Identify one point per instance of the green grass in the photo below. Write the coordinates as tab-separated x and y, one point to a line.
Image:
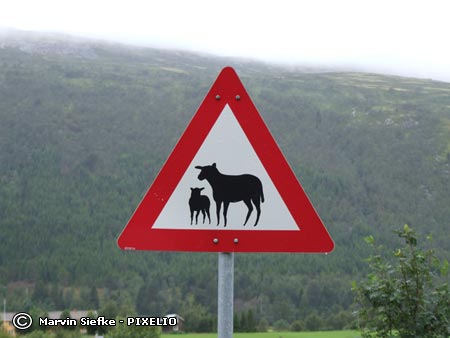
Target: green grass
319	334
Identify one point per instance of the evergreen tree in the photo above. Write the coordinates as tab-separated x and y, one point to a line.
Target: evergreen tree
250	322
93	298
40	293
236	323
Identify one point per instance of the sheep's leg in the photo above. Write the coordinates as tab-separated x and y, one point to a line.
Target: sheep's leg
258	209
196	216
225	210
204	215
249	205
209	218
218	204
192	215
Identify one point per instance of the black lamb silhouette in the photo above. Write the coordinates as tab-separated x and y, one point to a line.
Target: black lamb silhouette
199	203
233	188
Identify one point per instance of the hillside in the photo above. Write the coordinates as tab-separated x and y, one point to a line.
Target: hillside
86	126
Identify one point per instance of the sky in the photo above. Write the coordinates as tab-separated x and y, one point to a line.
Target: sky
409	38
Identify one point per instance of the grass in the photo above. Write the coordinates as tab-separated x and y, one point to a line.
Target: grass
318	334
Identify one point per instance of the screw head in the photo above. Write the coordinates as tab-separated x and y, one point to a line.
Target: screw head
217	97
238	97
236	240
215	240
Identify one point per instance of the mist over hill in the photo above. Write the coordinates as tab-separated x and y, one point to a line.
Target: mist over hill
85	127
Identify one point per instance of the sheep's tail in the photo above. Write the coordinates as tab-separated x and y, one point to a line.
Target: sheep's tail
262	194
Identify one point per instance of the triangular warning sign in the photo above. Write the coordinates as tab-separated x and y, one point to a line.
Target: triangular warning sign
226	187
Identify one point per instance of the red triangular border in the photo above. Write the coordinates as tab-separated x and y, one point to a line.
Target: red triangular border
312	235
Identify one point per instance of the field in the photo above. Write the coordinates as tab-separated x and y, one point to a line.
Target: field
319	334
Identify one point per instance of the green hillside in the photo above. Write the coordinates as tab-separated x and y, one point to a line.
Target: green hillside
85	127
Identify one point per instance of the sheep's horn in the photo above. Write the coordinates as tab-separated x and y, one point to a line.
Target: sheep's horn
198	167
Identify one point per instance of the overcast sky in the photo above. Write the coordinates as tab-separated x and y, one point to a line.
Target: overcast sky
392	36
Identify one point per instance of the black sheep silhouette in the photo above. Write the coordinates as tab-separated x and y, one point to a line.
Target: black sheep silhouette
233	188
198	203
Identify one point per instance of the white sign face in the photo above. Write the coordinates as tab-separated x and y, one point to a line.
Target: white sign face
229	148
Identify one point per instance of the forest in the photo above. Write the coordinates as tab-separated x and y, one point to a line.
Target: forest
86	126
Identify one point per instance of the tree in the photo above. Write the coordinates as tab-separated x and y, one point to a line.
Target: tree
263	325
64	334
236	323
35	313
281	325
66	315
246	322
40	293
133	331
91	329
297	326
313	322
93	298
109	310
198	318
251	322
406	298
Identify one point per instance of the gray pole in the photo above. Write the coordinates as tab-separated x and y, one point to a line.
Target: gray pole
225	295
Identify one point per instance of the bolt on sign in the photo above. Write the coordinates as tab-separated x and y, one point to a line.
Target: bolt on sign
226	187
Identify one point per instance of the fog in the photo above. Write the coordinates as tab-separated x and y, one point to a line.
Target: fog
396	37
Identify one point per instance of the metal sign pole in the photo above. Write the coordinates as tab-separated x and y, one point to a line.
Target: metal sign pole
225	296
